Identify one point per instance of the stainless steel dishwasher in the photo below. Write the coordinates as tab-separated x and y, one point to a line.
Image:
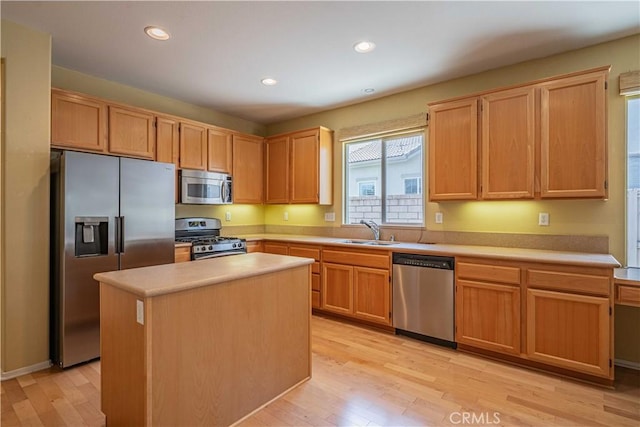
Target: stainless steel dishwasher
423	297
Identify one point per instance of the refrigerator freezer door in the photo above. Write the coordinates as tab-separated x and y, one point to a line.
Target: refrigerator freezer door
88	187
147	209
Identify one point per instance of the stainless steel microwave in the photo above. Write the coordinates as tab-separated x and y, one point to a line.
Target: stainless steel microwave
205	188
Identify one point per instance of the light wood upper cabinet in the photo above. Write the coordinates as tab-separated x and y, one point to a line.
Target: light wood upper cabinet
299	167
167	140
573	137
220	150
168	145
508	144
247	169
131	132
544	139
453	150
78	122
193	146
277	170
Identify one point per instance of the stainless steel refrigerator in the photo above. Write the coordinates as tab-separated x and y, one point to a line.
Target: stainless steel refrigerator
107	213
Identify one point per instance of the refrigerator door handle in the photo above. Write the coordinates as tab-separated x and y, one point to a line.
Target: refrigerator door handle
119	221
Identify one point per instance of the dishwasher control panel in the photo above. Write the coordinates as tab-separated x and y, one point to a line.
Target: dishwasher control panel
428	261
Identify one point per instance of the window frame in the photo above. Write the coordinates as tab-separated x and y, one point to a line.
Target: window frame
383	137
631	242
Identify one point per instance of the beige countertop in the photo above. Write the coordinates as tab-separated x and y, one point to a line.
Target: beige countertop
167	278
183	244
517	254
627	276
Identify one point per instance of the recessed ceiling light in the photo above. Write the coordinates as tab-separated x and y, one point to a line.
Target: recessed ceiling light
369	90
157	33
364	47
268	81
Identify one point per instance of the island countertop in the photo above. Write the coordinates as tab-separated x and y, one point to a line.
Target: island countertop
167	278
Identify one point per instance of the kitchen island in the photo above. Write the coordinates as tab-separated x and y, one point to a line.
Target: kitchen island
203	343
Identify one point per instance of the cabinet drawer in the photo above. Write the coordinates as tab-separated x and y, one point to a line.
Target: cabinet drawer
628	295
571	282
315	282
305	252
182	254
315	299
491	273
356	258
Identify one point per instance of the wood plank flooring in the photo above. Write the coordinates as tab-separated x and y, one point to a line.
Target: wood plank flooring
363	377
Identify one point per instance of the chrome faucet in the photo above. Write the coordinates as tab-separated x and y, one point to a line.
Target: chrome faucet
375	228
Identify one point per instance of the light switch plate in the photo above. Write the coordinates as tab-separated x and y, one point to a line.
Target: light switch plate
227	216
439	218
140	312
286	216
330	216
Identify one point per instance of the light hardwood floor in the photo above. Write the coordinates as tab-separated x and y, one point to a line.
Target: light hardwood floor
364	377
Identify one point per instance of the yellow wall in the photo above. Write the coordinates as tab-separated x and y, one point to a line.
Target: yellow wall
240	214
25	203
64	78
585	217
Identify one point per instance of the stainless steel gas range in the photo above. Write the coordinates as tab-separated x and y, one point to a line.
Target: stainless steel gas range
205	239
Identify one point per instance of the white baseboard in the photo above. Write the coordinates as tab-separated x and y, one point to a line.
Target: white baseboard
627	364
24	371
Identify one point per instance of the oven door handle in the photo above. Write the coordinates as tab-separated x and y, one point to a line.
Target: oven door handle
219	254
226	192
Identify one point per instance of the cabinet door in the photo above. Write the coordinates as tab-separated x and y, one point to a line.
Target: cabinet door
568	330
168	145
182	254
372	294
488	316
167	140
131	132
573	160
255	247
247	169
220	151
337	288
453	150
193	146
305	148
508	144
277	170
78	122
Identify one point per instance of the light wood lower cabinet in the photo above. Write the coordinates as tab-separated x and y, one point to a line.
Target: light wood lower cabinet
488	316
357	284
569	330
543	314
182	254
305	251
255	246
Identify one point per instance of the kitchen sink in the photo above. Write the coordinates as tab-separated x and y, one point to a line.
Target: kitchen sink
369	242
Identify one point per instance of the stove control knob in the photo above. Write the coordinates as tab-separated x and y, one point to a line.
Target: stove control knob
210	247
234	245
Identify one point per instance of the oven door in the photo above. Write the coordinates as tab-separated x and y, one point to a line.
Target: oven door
201	190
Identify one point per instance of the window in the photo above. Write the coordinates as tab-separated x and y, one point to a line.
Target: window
633	181
383	179
413	185
367	188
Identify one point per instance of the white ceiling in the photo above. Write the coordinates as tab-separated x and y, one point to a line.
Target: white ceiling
219	51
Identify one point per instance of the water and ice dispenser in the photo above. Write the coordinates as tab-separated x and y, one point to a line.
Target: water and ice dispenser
91	236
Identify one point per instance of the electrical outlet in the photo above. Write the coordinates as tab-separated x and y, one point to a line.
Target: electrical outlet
140	312
330	216
227	216
286	216
543	219
439	218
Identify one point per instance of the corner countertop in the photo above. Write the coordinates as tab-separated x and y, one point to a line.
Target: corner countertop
167	278
182	244
627	276
516	254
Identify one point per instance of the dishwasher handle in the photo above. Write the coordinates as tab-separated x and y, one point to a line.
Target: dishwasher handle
425	261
